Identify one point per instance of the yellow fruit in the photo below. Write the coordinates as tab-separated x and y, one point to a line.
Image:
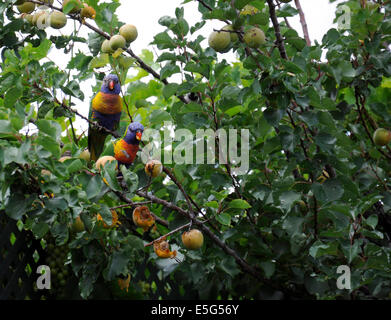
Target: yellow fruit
26	7
102	161
78	225
57	20
117	42
85	155
219	41
20	2
153	168
62	159
129	32
114	220
77	5
87	12
254	37
193	239
106	48
381	137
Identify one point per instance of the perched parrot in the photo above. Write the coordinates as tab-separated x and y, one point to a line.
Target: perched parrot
106	108
125	149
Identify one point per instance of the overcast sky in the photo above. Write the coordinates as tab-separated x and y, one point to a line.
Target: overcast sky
145	15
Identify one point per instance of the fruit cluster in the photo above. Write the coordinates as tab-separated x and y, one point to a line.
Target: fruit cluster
127	34
54	19
221	40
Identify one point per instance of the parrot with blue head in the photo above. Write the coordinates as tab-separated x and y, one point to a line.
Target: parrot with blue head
106	109
125	149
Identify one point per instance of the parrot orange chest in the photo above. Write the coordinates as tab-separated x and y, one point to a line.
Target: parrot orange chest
125	152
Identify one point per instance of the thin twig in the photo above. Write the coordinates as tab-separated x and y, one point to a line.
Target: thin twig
303	22
276	26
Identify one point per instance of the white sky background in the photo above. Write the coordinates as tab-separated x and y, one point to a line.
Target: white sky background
145	15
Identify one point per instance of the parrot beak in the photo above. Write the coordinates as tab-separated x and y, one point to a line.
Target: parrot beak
111	85
138	135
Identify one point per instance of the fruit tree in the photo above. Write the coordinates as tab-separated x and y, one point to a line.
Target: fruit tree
312	122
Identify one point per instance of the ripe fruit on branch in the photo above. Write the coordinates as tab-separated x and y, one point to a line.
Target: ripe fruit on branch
129	32
193	239
143	218
382	137
254	37
153	168
117	42
87	12
114	220
77	5
162	249
85	155
234	37
106	48
219	40
103	160
26	7
57	20
78	225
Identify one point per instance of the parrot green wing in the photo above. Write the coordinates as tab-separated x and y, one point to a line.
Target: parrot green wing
96	139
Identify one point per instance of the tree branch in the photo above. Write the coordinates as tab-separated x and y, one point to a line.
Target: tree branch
303	22
276	25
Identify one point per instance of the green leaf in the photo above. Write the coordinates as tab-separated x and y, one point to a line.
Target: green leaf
94	187
130	178
117	265
287	199
224	218
169	90
268	268
212	204
229	266
239	204
12	96
159	116
17	205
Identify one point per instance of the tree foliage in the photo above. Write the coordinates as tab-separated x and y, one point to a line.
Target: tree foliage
316	195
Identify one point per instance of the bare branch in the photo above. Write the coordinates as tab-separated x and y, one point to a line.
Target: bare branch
303	22
276	25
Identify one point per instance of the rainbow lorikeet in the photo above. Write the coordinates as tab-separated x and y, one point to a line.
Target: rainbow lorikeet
106	108
125	149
